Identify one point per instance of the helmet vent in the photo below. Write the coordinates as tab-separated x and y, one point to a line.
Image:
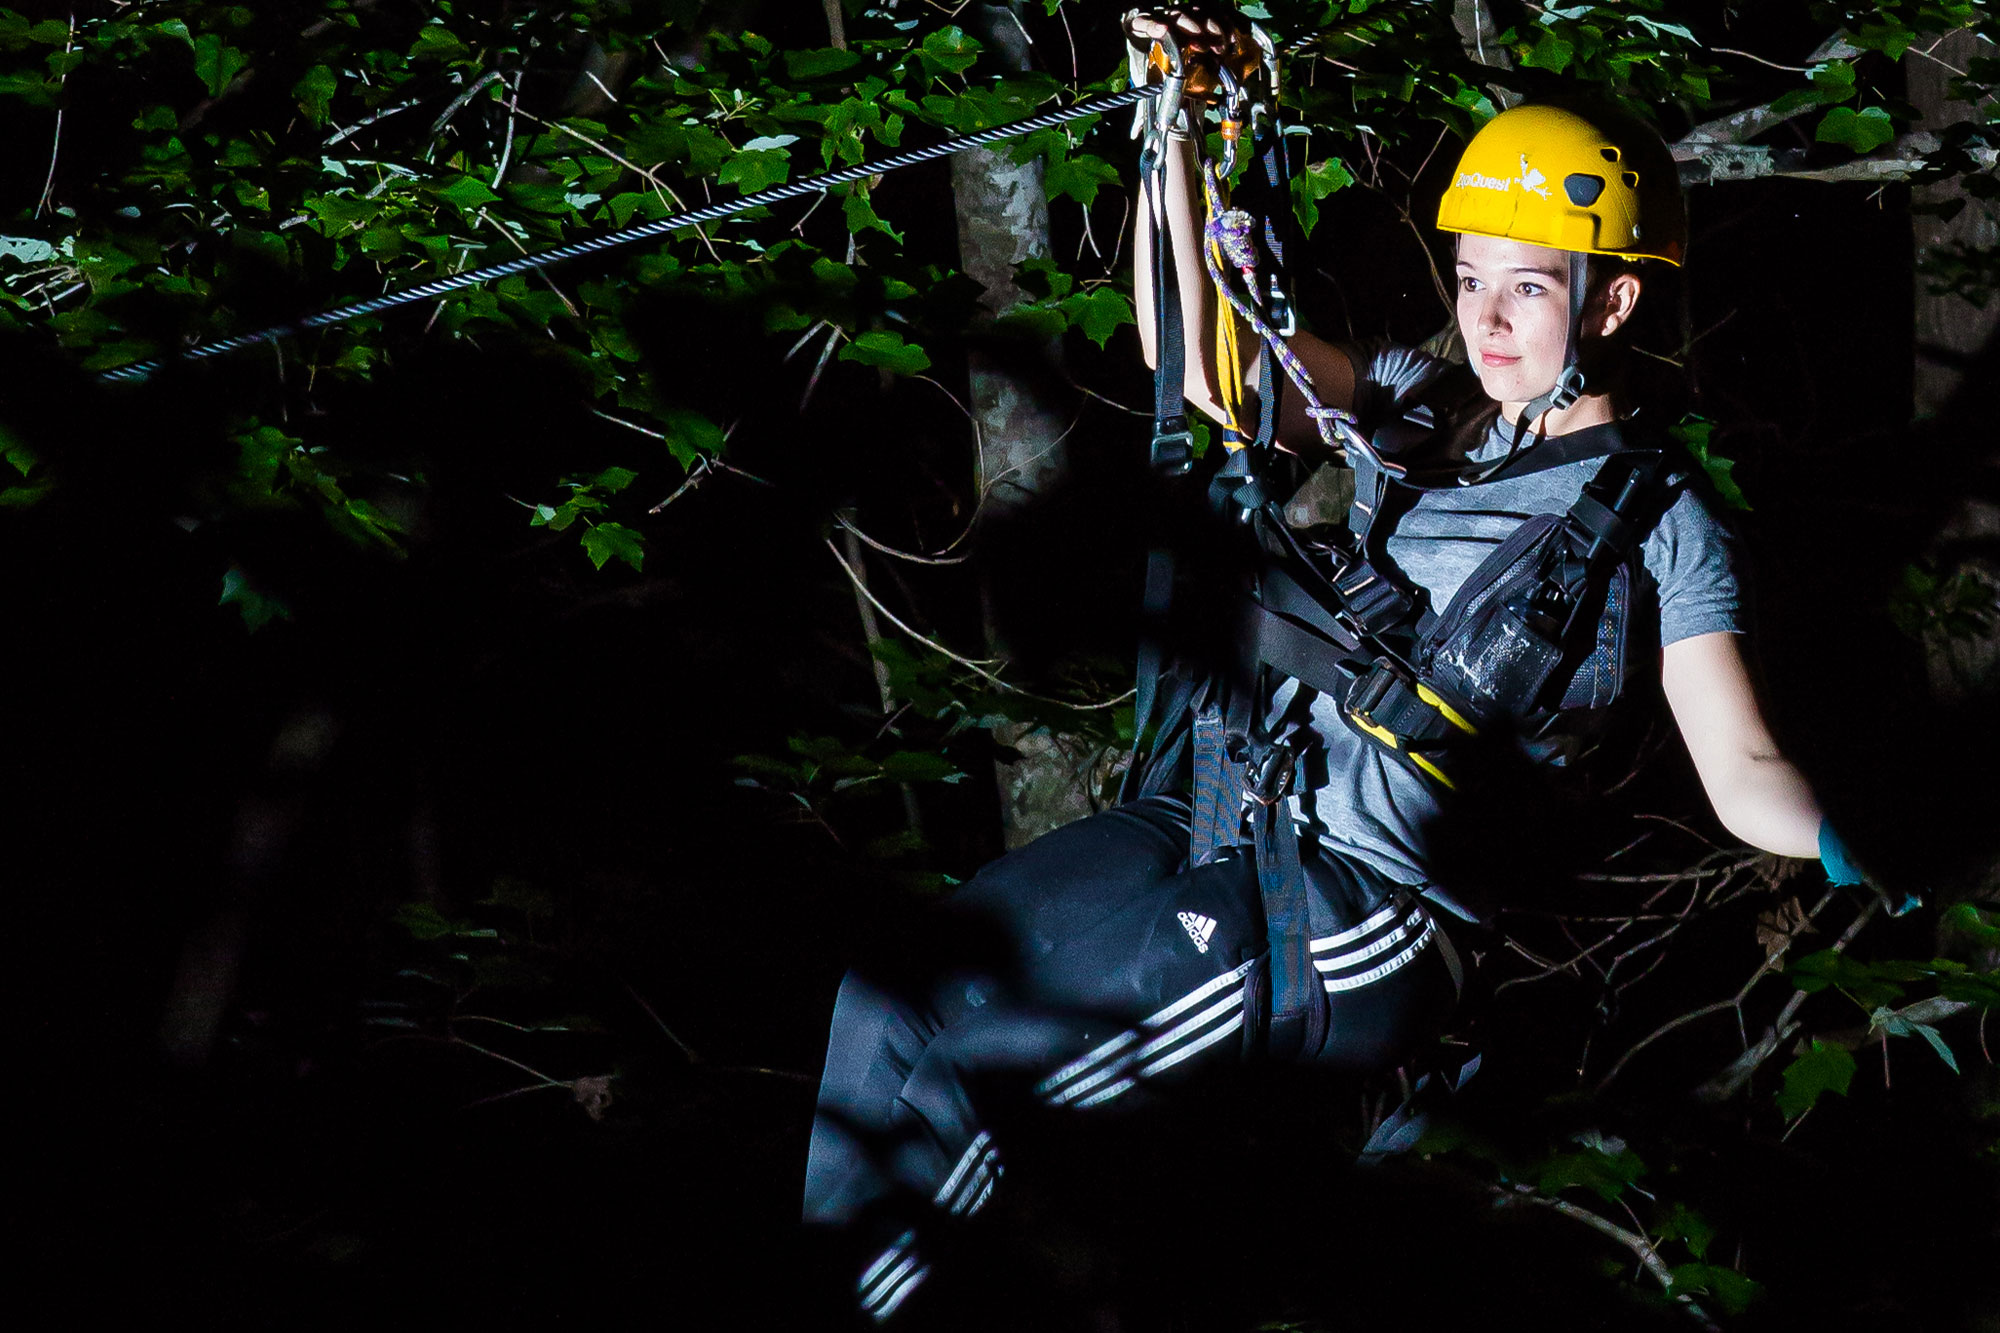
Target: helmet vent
1583	190
1631	179
1608	154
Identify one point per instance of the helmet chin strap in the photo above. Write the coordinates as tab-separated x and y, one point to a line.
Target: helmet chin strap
1561	395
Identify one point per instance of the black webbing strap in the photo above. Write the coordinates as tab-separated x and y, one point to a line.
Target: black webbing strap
1173	444
1218	787
1298	1001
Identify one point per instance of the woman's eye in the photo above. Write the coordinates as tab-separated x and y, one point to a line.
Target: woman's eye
1468	284
1532	289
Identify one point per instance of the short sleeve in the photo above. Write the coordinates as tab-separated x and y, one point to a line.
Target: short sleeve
1694	561
1386	375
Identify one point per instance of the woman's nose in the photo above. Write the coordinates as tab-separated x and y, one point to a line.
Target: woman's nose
1492	313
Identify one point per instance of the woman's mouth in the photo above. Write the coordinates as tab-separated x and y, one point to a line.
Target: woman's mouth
1496	359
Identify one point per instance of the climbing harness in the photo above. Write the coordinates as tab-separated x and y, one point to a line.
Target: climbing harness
1091	106
1530	650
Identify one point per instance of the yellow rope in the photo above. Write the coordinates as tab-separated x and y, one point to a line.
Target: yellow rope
1228	353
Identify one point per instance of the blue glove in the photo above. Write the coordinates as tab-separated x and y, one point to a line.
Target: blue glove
1838	863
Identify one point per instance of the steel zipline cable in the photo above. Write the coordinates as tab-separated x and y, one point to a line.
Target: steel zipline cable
1092	106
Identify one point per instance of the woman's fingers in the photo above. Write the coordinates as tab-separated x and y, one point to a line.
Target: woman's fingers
1192	30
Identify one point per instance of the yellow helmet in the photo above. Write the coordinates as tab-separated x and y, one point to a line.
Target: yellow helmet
1601	184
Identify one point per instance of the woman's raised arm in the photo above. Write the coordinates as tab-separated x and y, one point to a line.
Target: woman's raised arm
1757	793
1331	373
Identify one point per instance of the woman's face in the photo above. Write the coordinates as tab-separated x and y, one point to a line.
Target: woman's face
1513	312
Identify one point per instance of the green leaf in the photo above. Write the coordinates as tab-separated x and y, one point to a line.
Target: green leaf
256	608
1079	177
756	169
1897	1025
1037	322
1313	184
1969	919
216	63
1833	81
1099	312
948	51
1693	432
1042	277
1731	1289
1863	131
425	922
859	211
919	766
603	541
18	454
466	193
1606	1167
818	64
1820	1070
1868	984
1980	988
1685	1224
690	435
437	42
878	347
1549	52
315	93
614	479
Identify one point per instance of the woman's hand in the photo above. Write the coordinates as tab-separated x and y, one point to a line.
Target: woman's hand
1204	33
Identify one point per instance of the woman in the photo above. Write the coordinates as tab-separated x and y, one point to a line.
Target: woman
1111	953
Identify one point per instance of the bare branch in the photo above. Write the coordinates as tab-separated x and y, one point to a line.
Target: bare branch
1741	126
1640	1246
1731	1080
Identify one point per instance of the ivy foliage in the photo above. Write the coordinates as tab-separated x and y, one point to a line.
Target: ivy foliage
219	168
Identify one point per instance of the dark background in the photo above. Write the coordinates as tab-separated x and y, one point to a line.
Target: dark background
491	711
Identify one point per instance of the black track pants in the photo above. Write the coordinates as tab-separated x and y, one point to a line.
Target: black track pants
1080	967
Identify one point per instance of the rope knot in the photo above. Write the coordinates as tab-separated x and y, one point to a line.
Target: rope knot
1234	232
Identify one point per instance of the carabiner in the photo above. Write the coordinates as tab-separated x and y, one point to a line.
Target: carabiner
1167	106
1235	99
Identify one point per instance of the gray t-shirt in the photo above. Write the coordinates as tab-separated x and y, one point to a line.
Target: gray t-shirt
1373	808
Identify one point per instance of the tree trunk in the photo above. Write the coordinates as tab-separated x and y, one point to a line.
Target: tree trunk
1952	337
1003	219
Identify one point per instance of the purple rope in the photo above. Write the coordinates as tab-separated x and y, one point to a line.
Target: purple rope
1233	232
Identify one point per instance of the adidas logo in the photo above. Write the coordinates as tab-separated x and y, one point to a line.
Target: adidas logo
1199	928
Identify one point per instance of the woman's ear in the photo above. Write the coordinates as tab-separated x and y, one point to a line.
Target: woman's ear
1619	299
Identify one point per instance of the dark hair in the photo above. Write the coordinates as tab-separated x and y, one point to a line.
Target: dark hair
1638	360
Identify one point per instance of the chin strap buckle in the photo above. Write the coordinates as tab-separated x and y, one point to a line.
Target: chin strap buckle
1569	388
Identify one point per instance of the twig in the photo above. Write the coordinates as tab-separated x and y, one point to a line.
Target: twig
513	1092
910	556
368	120
458	104
871	634
640	1000
55	147
507	146
1719	1006
1734	1003
1925	52
977	668
1731	1080
455	1040
1638	1244
1752	55
825	353
790	1074
1088	392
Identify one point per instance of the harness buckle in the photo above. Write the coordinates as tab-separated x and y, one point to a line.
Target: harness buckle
1173	446
1268	779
